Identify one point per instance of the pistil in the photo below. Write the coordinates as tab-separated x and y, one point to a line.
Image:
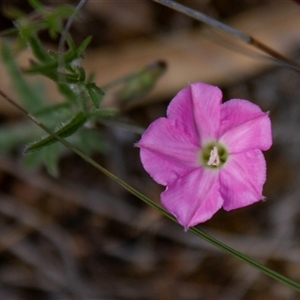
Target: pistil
214	159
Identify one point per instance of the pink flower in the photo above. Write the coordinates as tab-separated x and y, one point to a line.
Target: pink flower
207	154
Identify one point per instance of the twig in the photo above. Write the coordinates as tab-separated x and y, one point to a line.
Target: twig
232	31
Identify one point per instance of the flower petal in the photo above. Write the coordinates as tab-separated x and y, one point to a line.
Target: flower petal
195	110
242	179
167	153
193	198
244	126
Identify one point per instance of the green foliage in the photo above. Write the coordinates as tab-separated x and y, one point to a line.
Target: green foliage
17	134
82	96
27	94
47	156
64	131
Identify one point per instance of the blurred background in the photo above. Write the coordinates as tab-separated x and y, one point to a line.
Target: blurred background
81	236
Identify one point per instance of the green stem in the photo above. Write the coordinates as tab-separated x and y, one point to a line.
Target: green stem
148	201
279	277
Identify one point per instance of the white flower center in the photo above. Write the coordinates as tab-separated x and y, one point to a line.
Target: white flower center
214	159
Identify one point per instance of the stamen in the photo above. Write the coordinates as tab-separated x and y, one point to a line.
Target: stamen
214	159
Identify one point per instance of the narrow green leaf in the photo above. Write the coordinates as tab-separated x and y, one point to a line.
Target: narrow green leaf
56	17
64	131
38	49
35	4
95	93
27	94
83	45
51	157
49	69
67	92
74	73
81	73
63	11
71	44
55	26
34	160
52	63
